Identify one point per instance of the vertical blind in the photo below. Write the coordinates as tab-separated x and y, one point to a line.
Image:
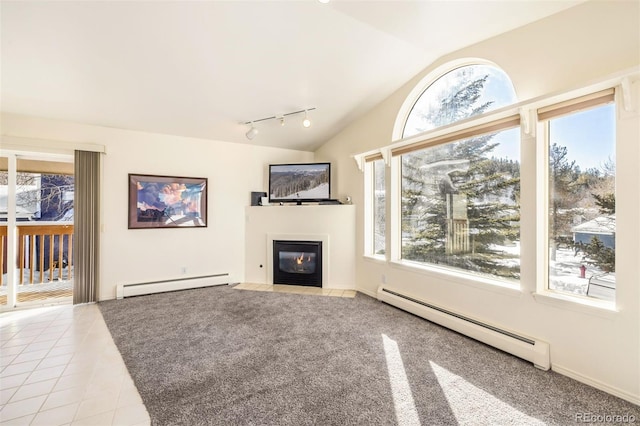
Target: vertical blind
86	254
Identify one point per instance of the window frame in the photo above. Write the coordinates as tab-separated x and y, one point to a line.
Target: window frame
583	100
483	124
370	161
533	159
494	120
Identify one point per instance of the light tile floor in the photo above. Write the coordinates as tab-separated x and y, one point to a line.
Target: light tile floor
296	289
60	366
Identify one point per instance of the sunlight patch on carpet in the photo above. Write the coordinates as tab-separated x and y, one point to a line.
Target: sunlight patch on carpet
405	407
472	405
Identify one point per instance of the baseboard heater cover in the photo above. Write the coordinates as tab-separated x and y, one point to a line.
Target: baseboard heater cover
530	349
186	283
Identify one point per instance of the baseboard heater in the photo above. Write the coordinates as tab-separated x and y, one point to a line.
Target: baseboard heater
139	289
527	348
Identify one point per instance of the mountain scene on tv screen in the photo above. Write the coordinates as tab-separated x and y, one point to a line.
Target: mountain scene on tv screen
300	183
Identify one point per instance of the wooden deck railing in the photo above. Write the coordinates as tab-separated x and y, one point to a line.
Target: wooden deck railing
47	248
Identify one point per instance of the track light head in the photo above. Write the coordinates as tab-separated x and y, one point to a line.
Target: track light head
306	122
252	132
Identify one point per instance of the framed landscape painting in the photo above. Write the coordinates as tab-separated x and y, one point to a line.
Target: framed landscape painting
167	202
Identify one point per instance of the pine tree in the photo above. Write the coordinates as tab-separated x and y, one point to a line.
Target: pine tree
576	194
595	252
606	202
565	192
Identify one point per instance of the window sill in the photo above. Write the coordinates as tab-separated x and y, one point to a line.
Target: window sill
591	307
482	283
374	258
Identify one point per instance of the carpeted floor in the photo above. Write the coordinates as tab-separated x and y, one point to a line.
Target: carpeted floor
222	356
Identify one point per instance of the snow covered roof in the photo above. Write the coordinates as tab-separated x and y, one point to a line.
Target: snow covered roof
599	225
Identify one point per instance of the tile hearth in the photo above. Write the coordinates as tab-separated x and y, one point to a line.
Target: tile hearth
296	289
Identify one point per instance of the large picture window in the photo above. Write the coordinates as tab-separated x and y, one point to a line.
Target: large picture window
460	205
460	192
581	198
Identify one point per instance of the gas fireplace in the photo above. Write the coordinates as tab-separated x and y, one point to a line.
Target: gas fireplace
297	263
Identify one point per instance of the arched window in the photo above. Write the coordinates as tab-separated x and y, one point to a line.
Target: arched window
461	93
460	190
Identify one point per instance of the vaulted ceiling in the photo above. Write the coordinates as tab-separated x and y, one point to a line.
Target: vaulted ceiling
202	68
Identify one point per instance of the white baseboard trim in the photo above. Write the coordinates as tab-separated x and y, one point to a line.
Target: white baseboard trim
367	292
634	399
182	283
521	345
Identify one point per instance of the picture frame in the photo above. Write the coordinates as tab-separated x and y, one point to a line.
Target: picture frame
167	201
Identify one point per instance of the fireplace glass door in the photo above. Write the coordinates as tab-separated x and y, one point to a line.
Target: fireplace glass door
297	263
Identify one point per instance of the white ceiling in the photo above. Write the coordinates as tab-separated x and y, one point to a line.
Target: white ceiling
200	69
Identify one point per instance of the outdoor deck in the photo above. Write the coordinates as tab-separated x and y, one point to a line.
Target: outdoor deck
43	262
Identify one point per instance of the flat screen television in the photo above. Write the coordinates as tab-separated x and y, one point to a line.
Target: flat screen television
299	183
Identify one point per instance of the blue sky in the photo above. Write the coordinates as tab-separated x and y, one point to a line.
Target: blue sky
589	136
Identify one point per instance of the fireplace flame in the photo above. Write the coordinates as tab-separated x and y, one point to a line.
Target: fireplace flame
300	260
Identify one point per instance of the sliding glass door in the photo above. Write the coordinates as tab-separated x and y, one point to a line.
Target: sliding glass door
36	229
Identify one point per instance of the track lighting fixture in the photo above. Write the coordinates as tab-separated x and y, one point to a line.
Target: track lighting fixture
253	131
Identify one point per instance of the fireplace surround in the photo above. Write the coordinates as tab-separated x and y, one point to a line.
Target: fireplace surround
333	225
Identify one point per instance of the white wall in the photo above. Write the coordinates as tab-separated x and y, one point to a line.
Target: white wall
568	50
140	255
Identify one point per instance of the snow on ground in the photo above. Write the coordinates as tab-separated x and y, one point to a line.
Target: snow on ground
511	250
320	191
564	271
